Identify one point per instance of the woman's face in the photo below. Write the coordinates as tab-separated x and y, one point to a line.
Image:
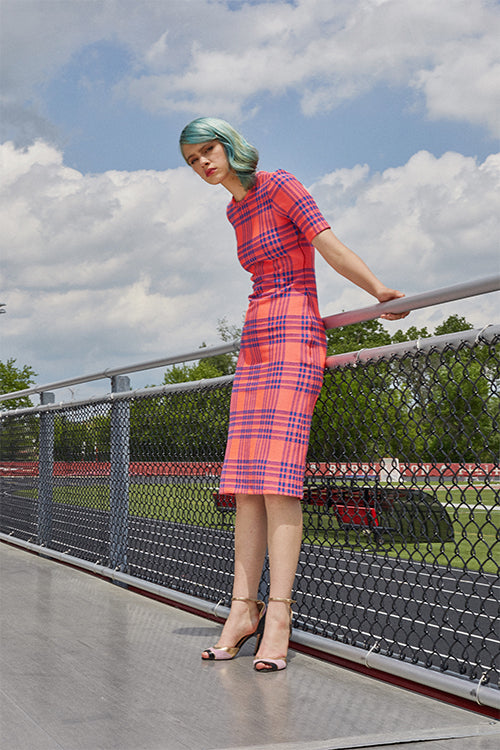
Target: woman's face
209	160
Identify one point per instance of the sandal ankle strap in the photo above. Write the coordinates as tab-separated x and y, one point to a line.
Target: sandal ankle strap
280	599
245	599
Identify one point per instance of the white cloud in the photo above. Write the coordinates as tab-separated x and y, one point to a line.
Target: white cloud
466	84
428	224
329	52
204	56
113	268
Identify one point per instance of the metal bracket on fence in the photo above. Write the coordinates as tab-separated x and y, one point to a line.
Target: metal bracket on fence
358	353
482	680
373	648
480	333
217	606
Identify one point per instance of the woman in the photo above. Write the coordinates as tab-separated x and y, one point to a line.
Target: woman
278	376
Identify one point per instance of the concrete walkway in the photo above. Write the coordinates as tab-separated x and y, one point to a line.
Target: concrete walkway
86	665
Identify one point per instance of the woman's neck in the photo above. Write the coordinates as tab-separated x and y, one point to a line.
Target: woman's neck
233	184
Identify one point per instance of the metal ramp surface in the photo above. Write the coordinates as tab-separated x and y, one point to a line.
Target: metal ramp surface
86	665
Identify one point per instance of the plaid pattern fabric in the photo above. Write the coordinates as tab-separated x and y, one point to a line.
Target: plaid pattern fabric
283	347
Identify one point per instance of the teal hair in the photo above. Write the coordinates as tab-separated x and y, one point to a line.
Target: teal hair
242	157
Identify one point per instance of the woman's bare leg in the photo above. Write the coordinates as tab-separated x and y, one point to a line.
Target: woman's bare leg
250	542
284	539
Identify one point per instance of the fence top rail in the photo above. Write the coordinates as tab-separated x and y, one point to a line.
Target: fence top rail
414	302
108	398
204	353
434	343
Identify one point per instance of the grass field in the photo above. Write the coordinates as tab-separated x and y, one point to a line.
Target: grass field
474	512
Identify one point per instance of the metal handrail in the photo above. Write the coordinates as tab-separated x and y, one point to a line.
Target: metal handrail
110	372
414	302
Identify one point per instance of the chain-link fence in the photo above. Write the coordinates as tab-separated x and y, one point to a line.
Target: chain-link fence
401	502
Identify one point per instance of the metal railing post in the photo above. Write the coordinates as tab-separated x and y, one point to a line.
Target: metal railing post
119	490
45	472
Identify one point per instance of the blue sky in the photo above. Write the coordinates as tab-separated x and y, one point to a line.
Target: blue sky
386	109
383	127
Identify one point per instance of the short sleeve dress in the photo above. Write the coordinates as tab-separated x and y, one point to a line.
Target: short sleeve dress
283	345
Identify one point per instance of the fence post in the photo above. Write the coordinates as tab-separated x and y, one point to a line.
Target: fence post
120	457
45	471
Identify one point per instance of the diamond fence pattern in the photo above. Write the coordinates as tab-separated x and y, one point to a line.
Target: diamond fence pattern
401	548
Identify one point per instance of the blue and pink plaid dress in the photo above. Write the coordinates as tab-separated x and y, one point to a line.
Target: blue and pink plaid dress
283	346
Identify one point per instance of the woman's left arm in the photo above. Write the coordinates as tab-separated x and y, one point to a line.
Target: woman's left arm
348	264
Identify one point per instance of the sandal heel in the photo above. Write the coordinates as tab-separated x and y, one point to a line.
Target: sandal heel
220	653
259	633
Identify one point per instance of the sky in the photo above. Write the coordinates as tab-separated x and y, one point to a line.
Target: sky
114	252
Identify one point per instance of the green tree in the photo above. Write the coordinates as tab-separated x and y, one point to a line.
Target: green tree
349	402
188	425
459	425
192	425
453	324
450	394
226	363
14	378
442	409
72	439
211	367
357	336
411	334
18	435
461	409
184	373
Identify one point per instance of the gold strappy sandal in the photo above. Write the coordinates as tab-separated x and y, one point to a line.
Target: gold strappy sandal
218	653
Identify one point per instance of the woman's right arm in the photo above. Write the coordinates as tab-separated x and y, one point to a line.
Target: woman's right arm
348	264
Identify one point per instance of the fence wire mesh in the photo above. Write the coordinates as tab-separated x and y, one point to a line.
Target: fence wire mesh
401	499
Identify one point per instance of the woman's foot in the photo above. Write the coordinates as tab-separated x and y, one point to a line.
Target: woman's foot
272	653
245	620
